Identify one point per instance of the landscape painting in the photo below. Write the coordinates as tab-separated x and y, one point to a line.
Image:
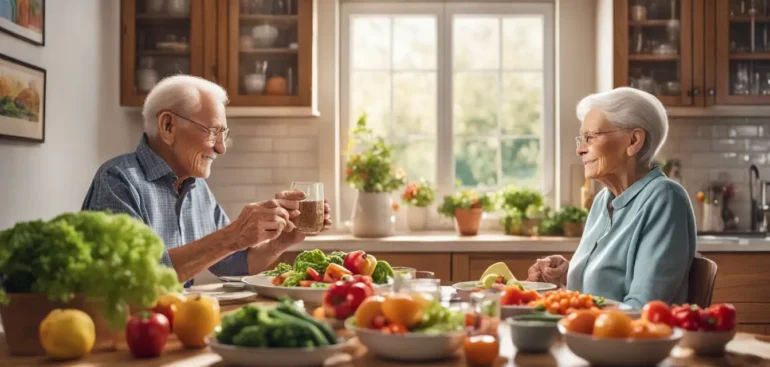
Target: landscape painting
24	19
22	100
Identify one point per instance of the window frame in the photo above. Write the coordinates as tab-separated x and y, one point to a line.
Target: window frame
445	159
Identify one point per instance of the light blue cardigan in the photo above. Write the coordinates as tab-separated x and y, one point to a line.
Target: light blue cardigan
644	250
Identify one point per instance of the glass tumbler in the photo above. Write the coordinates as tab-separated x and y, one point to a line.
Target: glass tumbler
311	208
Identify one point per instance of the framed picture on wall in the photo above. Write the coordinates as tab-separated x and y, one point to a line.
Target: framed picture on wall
24	19
22	100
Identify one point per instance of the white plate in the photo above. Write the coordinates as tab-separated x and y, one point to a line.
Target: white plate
463	289
512	311
624	352
278	357
311	296
409	347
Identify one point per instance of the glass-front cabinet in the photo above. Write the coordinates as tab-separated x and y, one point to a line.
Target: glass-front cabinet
743	52
260	51
654	48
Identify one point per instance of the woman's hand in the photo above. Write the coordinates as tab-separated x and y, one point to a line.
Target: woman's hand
552	269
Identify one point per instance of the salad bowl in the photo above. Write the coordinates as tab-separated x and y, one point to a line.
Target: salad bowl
464	289
408	347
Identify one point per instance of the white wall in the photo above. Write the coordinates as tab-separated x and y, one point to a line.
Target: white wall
84	123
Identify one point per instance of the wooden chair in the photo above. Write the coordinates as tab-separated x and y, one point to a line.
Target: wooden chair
703	275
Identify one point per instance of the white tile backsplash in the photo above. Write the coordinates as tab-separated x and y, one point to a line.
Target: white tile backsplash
294	144
250	144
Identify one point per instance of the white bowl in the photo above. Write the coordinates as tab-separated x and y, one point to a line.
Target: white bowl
463	289
261	284
264	35
533	336
409	347
706	342
278	357
620	352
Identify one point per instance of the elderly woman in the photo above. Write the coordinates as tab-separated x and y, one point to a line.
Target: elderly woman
163	184
639	238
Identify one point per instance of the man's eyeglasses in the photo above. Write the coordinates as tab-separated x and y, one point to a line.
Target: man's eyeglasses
589	138
214	133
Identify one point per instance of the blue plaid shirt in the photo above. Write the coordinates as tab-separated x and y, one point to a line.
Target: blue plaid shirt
141	184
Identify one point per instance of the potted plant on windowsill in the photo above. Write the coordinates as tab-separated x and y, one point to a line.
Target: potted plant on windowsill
466	207
574	221
370	171
96	262
529	205
417	196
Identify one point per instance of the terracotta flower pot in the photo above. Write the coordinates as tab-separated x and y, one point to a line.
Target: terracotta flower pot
24	312
467	221
573	229
527	227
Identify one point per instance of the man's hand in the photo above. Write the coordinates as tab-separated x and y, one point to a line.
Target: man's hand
264	221
291	238
552	269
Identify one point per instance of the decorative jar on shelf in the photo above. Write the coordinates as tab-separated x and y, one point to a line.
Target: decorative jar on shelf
146	75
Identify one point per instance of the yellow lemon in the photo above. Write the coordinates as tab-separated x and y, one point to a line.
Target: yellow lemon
67	334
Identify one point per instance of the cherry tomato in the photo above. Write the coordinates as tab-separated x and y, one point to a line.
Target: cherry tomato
658	312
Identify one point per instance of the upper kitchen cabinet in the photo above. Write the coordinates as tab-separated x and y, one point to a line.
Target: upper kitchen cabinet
653	49
742	52
260	51
269	51
158	38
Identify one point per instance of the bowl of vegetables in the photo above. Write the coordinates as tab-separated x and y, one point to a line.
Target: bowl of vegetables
706	331
313	272
499	276
406	327
275	335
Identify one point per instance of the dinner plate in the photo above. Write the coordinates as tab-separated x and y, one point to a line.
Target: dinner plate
513	311
463	289
263	285
275	357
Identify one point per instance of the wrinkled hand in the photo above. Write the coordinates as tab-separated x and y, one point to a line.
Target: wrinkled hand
291	238
552	269
265	221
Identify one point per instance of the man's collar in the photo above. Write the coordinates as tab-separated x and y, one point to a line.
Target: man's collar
152	164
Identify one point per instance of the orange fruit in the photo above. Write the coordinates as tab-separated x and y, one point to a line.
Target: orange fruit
370	308
612	324
640	329
660	330
402	309
581	321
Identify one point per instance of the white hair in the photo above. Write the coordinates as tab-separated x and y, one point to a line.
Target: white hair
179	93
631	108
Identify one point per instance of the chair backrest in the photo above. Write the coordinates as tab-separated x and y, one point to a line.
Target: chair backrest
703	275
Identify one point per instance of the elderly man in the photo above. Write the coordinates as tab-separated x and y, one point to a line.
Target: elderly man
162	184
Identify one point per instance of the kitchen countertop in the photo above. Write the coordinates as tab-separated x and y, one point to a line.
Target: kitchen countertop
496	242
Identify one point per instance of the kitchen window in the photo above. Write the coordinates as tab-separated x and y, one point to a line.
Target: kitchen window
465	92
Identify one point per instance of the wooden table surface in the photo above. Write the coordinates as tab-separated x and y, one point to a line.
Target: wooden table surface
741	351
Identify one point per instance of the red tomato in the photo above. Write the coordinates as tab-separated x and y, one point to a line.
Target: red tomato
725	316
512	296
378	322
687	316
658	312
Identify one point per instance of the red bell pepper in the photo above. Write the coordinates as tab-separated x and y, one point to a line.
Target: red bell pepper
334	273
344	296
724	315
146	334
360	262
314	274
687	316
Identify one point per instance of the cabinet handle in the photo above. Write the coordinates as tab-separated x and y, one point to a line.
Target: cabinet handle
694	92
712	92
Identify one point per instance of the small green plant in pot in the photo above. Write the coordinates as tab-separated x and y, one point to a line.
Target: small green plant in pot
528	203
466	207
511	222
573	220
417	197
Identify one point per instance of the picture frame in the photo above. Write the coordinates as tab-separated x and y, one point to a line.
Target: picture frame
24	19
22	100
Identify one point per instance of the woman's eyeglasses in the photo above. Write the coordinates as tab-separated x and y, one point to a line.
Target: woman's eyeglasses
589	138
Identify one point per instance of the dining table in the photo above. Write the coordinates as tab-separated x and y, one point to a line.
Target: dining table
744	350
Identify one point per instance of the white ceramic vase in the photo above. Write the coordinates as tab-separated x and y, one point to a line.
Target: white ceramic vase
416	218
373	215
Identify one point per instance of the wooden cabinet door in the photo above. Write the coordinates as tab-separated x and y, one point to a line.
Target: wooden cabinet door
158	40
742	52
653	43
269	51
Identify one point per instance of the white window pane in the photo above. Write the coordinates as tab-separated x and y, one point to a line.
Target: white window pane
370	43
370	94
414	103
522	103
476	161
414	42
523	42
475	102
521	163
476	42
417	158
